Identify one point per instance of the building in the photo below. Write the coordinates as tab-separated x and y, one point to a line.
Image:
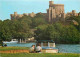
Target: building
32	14
17	16
55	13
73	13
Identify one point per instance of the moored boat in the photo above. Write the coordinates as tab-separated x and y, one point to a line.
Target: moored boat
48	46
12	41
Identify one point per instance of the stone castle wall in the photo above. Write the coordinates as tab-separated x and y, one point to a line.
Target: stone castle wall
55	13
73	13
17	16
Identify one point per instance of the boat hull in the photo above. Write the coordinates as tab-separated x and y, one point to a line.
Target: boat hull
11	42
49	50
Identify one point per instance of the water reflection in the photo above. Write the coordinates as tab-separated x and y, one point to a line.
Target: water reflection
68	48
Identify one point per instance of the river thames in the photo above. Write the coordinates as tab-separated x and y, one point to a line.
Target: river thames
63	48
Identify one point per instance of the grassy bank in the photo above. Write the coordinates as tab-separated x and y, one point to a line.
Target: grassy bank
12	48
40	55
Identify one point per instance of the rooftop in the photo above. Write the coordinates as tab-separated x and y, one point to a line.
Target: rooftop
45	41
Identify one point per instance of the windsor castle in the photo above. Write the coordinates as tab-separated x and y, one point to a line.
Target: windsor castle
55	13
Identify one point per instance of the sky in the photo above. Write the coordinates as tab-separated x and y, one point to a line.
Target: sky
8	7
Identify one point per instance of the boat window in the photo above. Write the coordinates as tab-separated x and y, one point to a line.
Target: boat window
14	40
39	44
45	43
51	44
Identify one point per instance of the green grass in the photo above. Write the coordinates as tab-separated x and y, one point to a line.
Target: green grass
12	48
40	55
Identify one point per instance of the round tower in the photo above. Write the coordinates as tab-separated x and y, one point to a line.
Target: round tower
51	3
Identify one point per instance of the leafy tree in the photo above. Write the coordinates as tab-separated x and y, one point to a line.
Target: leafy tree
20	29
38	20
26	19
5	30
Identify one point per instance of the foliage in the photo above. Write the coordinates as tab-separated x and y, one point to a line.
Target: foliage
14	29
59	33
76	18
38	20
24	27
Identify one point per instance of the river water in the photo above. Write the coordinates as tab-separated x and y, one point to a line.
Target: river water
63	48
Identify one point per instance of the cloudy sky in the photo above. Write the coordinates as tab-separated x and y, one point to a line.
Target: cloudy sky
8	7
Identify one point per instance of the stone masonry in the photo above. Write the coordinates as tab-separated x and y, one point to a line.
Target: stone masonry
55	13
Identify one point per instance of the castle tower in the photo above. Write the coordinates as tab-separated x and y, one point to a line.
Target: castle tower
55	12
51	3
51	14
32	14
15	13
12	16
73	12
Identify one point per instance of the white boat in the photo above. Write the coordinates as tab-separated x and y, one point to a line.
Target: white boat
48	46
12	41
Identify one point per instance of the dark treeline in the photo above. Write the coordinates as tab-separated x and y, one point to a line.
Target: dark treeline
23	28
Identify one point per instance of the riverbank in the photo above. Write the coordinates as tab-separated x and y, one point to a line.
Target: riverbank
13	48
15	51
40	55
23	52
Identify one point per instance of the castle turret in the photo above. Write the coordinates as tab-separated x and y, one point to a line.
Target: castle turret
25	14
15	13
51	3
51	14
73	11
55	12
12	16
32	14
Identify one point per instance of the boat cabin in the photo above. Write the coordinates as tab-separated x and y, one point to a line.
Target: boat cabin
46	43
48	46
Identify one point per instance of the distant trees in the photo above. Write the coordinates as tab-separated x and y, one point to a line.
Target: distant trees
77	19
5	33
59	33
14	29
22	28
38	20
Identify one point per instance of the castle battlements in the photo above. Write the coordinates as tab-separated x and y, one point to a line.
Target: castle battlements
17	16
58	4
55	13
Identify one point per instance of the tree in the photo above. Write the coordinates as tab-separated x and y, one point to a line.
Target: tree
38	20
20	29
26	19
48	33
5	30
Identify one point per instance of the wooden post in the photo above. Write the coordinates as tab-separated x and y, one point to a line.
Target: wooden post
20	40
25	40
41	44
48	44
